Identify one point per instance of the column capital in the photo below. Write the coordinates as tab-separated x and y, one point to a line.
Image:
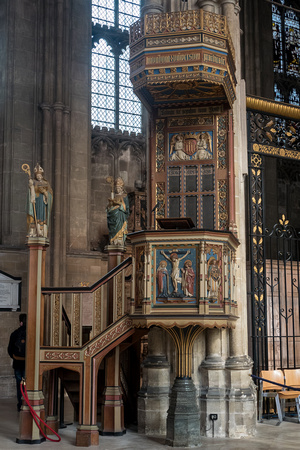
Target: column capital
58	106
239	362
37	241
207	5
234	3
213	363
115	248
45	106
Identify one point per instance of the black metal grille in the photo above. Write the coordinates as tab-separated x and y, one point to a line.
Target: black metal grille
274	252
113	103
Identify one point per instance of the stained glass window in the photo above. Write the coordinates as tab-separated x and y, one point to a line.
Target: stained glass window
286	40
113	103
294	98
278	97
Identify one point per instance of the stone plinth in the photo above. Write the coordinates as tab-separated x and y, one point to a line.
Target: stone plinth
241	397
153	400
87	436
183	422
212	397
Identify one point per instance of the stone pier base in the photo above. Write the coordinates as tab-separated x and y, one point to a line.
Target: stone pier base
153	400
183	422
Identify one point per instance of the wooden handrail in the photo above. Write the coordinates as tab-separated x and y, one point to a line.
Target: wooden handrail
88	289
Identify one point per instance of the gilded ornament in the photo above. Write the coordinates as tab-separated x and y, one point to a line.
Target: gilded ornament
283	221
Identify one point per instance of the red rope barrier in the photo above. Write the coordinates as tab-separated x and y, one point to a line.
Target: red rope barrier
36	418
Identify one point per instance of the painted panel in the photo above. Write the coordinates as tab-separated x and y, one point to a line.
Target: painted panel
191	146
176	275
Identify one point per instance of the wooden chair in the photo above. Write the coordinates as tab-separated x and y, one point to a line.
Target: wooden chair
292	378
270	390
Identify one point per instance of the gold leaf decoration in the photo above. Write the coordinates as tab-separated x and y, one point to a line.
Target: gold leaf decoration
270	124
283	221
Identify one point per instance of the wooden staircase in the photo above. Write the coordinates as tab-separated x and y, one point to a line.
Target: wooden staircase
77	338
118	310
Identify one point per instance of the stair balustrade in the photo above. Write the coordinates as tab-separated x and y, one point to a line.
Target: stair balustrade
68	310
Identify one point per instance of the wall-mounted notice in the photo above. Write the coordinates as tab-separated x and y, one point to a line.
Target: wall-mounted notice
10	291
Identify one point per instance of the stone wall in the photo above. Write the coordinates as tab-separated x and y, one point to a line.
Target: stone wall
45	117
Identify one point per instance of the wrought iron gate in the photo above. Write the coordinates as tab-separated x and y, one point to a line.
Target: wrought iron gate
274	252
276	298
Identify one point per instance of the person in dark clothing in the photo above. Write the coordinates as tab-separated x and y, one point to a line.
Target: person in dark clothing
16	350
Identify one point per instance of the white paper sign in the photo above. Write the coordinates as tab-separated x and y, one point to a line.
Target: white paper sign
9	291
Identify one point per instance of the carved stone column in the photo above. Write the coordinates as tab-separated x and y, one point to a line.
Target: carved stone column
213	385
152	6
241	391
153	398
208	5
231	9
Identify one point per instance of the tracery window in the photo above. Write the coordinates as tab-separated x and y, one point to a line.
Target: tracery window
286	46
113	103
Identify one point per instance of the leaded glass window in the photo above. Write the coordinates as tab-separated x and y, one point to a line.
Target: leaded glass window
294	97
286	40
113	103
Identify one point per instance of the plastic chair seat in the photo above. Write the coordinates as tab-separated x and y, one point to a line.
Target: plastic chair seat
288	394
270	390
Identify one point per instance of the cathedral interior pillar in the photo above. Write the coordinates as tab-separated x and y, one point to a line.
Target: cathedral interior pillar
208	5
212	395
153	398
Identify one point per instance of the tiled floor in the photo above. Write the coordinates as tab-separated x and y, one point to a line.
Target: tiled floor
269	437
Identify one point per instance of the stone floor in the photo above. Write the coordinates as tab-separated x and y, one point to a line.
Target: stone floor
269	436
